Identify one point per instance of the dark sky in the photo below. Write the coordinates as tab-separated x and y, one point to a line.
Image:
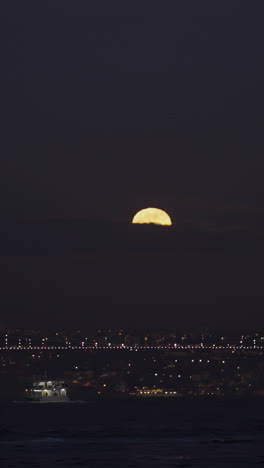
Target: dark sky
109	107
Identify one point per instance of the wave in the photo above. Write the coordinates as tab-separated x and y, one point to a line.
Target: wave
233	441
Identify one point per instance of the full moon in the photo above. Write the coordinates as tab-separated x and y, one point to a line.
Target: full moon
152	216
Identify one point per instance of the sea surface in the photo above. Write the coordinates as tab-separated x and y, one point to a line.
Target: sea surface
202	432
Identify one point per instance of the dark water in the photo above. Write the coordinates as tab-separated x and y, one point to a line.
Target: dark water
133	433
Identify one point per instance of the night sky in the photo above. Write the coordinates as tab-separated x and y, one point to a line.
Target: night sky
107	108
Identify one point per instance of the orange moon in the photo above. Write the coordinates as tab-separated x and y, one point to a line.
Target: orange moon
152	216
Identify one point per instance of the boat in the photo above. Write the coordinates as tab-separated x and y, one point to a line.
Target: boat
47	391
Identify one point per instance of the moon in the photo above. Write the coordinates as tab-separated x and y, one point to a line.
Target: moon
152	216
